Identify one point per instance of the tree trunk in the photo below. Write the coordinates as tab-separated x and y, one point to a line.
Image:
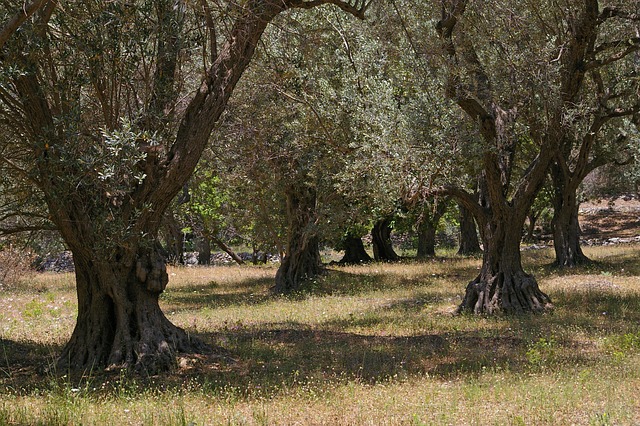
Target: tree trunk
469	243
533	220
120	324
427	227
566	230
223	246
174	239
426	240
302	259
354	251
502	285
382	246
204	251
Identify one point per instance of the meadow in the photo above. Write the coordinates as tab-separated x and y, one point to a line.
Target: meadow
374	344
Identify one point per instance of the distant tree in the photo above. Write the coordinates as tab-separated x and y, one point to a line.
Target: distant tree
468	237
113	104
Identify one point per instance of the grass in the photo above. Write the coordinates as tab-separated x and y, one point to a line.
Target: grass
373	344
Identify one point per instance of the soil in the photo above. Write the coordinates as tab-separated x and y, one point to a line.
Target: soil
613	218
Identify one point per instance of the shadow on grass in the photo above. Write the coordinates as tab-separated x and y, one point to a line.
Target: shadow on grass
24	364
275	358
335	282
248	292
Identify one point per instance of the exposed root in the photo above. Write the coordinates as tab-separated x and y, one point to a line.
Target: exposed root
504	294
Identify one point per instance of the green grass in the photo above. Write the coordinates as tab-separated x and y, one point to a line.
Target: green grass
373	344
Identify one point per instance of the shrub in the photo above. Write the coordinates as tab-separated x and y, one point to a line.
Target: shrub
15	265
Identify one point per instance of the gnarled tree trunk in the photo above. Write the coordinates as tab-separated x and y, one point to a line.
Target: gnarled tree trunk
382	246
302	259
427	227
566	228
469	243
120	324
502	285
354	251
110	220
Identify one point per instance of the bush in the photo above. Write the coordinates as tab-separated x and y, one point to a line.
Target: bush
15	265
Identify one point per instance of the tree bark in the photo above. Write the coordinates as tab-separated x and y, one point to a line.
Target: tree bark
204	251
531	226
120	324
174	240
112	232
566	228
427	227
354	251
502	285
469	242
302	259
426	241
225	247
382	246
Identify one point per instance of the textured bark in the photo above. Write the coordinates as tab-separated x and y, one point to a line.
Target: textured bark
469	242
566	228
120	324
354	251
109	231
382	245
502	285
427	227
302	259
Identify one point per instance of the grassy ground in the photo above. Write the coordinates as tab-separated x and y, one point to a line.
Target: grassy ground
373	344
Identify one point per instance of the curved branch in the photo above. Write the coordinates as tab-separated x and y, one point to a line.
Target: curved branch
12	25
465	198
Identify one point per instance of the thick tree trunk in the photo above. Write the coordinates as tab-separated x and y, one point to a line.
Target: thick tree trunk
120	324
469	243
382	246
302	259
566	235
566	228
502	285
427	227
354	251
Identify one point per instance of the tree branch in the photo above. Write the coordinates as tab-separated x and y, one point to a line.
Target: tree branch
12	25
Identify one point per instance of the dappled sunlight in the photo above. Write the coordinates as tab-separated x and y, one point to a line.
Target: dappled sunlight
357	333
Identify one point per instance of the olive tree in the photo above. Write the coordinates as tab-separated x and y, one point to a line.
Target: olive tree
521	76
114	104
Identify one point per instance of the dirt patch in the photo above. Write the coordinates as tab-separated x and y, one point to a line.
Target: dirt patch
612	218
